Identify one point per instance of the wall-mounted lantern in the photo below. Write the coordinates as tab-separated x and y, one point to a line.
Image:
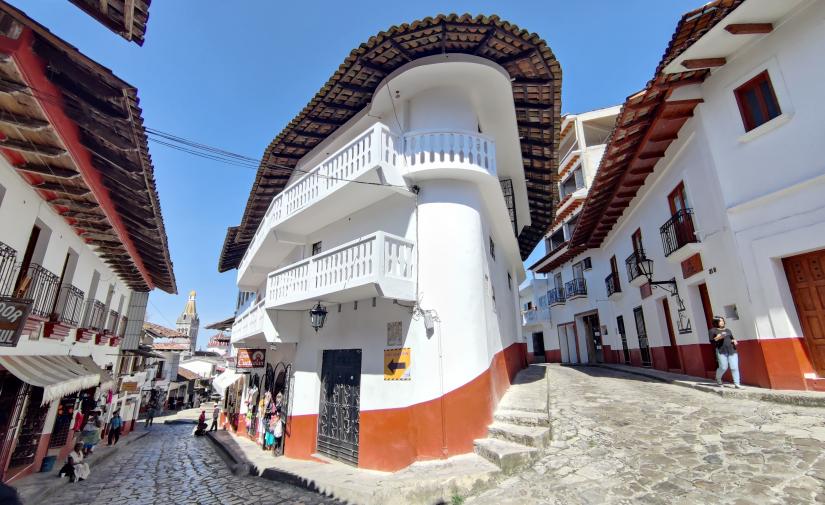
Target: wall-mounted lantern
317	316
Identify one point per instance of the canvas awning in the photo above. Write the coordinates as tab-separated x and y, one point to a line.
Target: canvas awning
224	380
57	375
106	379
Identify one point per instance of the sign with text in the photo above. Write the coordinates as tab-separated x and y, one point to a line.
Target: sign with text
397	364
13	315
251	358
129	387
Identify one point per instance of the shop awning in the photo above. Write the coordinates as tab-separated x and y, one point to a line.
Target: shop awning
106	380
224	380
57	375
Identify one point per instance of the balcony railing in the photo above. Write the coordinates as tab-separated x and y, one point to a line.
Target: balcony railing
678	231
111	322
8	269
249	322
376	145
95	311
555	296
42	290
632	264
535	316
69	305
381	259
612	284
449	149
376	148
576	288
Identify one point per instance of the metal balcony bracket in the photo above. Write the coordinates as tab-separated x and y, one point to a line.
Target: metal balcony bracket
683	321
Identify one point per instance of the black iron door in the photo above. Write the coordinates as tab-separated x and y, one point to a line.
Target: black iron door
538	345
339	411
625	350
641	331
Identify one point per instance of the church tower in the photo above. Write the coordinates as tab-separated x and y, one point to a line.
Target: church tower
188	322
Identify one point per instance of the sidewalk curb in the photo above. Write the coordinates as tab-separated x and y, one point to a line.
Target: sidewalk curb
796	398
47	490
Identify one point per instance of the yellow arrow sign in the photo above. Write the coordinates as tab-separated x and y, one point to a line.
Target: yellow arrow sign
397	364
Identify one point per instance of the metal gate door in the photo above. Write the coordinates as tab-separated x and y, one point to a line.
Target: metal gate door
641	331
625	350
338	414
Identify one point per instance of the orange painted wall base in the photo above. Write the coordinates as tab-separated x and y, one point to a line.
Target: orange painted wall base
391	439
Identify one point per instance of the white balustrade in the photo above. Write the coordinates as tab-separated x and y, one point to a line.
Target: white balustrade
249	322
379	258
449	149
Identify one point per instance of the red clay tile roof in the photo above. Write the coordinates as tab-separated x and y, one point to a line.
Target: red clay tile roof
158	331
170	347
188	374
645	127
127	18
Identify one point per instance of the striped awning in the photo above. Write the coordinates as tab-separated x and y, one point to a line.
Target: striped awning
106	380
57	375
224	380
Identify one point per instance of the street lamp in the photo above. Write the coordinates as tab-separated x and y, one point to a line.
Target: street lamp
645	267
317	316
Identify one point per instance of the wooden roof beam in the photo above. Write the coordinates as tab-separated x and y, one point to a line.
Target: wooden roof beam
749	28
50	170
31	147
704	63
62	188
24	122
12	87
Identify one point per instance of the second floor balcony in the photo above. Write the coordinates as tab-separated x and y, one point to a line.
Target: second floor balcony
535	316
334	188
376	265
577	288
611	283
249	323
41	286
679	236
634	274
69	310
556	296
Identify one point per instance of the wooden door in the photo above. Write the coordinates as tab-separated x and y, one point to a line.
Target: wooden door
672	351
677	199
538	346
625	350
707	308
806	277
638	249
641	333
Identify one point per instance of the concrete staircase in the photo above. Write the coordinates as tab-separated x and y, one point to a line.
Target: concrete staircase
521	423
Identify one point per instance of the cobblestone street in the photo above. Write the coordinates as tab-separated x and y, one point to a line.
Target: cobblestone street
625	439
170	466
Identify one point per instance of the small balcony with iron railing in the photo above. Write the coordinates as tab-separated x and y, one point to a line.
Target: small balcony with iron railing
41	286
576	288
634	274
555	296
324	193
8	269
535	316
679	236
250	324
613	286
69	309
376	265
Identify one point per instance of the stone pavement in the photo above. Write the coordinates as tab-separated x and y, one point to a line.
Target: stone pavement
622	439
170	466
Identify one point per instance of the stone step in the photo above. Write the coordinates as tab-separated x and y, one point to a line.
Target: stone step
531	436
509	456
521	417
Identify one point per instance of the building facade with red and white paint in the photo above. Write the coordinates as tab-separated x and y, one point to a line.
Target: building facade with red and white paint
712	183
402	200
82	243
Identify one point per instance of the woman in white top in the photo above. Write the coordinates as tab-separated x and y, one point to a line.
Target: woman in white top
80	469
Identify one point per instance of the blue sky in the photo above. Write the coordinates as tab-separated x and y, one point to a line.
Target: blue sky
232	74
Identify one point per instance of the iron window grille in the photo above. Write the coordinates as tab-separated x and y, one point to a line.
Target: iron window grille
70	305
576	287
42	290
7	269
632	264
611	282
555	295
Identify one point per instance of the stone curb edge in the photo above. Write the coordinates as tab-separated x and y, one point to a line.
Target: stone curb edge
747	394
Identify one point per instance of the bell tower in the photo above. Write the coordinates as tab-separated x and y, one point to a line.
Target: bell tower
188	322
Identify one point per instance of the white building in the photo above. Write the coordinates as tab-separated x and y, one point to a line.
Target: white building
535	320
403	200
82	241
715	174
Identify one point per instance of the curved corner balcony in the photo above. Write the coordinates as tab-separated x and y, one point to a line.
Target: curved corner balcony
249	324
332	189
377	265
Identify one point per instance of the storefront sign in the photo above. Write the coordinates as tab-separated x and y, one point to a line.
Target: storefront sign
397	364
13	315
251	358
129	387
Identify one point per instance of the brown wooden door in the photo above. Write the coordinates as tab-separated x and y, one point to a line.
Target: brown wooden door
806	277
677	199
671	351
707	308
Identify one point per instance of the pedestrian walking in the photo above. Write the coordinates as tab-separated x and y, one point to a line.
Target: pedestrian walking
91	434
726	354
150	415
216	413
115	425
